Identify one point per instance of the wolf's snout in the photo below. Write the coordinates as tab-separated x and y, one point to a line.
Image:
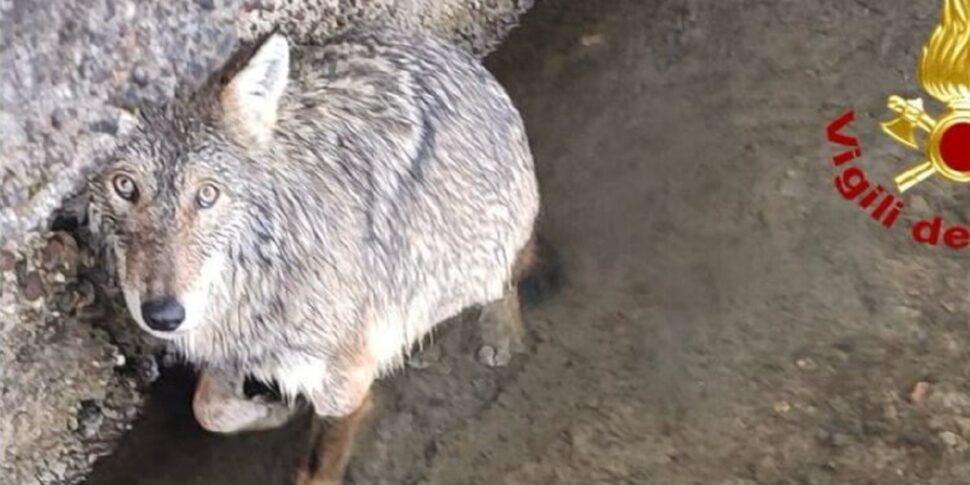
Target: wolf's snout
163	315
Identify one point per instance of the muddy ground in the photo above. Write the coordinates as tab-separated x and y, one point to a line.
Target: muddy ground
724	317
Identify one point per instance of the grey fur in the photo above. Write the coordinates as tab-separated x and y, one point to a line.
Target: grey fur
397	189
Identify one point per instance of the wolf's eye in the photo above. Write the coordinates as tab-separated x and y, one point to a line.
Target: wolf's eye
207	196
125	187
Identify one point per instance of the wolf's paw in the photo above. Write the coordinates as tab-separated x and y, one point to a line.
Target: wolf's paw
502	331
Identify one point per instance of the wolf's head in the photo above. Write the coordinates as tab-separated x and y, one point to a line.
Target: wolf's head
184	195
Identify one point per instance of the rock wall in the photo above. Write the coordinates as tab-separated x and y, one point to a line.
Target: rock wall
72	72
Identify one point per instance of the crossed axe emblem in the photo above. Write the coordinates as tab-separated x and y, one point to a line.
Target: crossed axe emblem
946	149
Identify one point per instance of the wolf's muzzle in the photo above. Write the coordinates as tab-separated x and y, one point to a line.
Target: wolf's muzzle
163	315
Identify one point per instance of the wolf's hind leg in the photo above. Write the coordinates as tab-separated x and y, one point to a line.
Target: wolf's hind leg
220	405
502	330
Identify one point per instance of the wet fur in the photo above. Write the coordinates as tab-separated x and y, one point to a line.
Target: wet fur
395	189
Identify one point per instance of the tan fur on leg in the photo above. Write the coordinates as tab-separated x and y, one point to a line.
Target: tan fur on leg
331	444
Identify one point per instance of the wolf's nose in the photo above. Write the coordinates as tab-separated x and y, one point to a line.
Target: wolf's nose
163	315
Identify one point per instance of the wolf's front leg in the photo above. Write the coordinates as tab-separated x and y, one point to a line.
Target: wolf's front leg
331	444
502	329
221	406
340	406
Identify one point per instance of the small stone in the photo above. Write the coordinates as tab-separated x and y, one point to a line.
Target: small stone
107	126
950	307
58	117
7	261
920	390
590	40
206	4
950	438
806	364
140	75
33	286
781	407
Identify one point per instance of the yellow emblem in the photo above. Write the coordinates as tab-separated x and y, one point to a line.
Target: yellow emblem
944	74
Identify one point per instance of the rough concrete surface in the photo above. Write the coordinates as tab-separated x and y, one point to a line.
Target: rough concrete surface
72	74
66	390
724	318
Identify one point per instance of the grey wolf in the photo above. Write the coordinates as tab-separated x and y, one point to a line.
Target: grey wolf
310	216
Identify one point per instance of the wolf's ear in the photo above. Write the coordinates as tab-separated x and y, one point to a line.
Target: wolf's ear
251	99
